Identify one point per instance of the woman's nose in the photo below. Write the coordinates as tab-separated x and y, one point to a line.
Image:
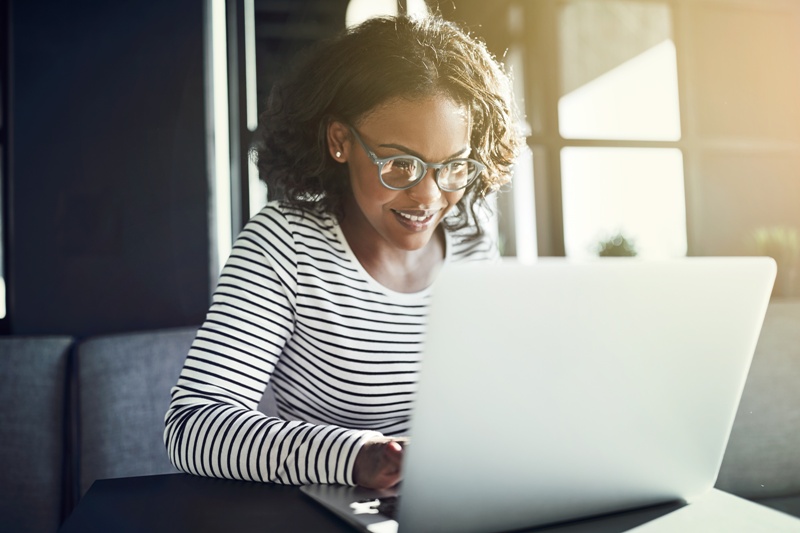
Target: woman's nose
426	192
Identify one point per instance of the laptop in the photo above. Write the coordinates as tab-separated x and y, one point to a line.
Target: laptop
559	390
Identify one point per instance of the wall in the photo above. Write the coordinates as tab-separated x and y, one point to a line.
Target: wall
741	66
109	187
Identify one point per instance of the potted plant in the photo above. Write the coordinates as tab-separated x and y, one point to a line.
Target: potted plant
617	245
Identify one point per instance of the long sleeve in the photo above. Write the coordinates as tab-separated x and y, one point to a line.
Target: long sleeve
212	427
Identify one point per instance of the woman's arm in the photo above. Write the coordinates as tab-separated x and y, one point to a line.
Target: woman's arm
212	427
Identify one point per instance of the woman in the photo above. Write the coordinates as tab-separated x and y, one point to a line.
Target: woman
382	145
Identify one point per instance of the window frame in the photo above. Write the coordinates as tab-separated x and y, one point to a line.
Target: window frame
542	86
5	159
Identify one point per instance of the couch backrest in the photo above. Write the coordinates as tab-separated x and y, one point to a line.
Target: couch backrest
763	455
123	394
33	377
124	384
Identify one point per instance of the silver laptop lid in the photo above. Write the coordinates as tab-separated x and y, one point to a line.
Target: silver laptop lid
557	390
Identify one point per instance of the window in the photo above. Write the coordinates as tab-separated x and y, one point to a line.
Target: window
672	122
618	71
221	234
361	10
636	193
619	82
4	82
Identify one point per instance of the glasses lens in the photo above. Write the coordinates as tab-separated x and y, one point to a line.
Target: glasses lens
457	174
401	171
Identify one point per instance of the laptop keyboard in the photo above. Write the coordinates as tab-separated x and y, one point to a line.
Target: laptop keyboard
387	506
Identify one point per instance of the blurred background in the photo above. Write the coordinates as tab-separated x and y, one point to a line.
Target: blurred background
656	128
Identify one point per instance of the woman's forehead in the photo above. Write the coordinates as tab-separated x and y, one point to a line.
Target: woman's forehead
402	119
435	128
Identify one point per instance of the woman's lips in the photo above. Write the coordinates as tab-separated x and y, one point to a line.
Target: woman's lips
415	220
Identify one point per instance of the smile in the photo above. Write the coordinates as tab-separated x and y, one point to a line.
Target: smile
415	220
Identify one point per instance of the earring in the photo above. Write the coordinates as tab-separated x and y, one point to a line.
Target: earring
338	154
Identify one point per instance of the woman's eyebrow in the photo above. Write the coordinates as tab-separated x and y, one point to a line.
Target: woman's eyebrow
409	151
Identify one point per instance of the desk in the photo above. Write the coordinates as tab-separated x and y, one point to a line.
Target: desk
178	503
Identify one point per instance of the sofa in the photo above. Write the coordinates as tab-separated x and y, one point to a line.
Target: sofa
762	460
81	410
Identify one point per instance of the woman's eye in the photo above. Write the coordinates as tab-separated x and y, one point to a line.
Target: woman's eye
458	167
407	165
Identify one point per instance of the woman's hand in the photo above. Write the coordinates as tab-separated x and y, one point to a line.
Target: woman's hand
379	463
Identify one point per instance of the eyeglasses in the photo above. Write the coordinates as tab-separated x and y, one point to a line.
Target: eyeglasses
400	172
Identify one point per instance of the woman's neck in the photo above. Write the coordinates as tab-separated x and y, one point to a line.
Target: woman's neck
405	271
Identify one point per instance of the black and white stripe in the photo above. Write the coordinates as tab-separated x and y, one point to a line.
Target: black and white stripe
295	308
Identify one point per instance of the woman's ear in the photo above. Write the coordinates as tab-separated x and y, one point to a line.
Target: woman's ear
338	141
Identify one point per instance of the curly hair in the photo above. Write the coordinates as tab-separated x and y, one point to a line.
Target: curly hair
365	66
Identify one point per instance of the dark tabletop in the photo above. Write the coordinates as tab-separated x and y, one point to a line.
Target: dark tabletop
178	503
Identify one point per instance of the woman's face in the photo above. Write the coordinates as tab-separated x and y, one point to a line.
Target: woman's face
434	129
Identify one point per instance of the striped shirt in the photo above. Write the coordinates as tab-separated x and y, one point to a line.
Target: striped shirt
294	308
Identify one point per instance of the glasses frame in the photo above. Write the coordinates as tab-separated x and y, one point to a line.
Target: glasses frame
437	167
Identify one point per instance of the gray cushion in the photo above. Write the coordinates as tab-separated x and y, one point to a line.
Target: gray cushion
124	391
32	392
763	456
789	504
